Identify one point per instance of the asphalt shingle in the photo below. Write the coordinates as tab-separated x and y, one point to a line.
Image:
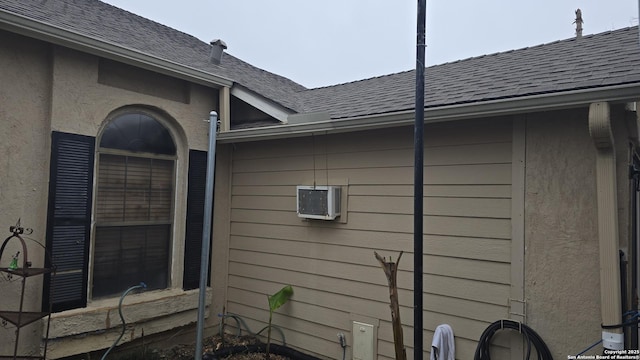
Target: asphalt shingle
610	58
606	59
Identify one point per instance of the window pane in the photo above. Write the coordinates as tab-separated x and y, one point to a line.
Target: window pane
124	256
134	189
138	133
137	189
161	190
106	261
111	188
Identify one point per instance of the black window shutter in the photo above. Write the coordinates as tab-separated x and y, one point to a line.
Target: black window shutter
195	216
69	220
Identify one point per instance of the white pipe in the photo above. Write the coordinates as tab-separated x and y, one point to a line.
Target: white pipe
206	230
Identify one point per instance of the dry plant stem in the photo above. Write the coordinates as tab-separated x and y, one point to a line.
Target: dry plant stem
391	271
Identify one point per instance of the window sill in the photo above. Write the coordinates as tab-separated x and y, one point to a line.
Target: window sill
101	315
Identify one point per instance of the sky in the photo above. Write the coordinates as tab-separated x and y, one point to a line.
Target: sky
329	42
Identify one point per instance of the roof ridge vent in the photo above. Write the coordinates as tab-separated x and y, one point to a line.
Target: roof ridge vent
217	49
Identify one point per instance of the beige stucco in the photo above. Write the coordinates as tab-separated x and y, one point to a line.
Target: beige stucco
48	88
562	282
80	103
24	148
97	326
562	278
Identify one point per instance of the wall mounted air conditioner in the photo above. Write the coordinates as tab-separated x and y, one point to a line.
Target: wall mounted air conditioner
318	202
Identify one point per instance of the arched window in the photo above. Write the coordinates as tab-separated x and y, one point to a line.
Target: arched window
134	205
137	132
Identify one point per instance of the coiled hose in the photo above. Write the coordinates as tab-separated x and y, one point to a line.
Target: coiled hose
531	339
124	324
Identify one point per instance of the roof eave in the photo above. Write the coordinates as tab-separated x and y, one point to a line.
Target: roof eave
59	36
261	103
498	107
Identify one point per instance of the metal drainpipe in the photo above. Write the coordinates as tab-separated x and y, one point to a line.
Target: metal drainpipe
633	188
610	299
206	230
418	183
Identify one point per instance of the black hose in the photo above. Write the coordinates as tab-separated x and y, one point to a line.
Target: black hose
635	320
530	337
623	293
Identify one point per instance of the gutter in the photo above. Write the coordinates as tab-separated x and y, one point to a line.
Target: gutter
22	25
500	107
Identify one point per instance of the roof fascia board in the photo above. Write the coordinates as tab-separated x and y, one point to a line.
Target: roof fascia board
261	103
56	35
502	107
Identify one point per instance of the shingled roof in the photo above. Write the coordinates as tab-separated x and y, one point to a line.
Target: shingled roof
595	61
606	59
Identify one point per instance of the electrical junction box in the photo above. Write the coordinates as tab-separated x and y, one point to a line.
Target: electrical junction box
362	341
318	202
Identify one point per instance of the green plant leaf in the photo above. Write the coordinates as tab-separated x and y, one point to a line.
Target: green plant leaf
280	298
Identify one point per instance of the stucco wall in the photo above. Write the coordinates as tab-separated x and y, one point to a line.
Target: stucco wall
562	284
80	104
25	74
47	88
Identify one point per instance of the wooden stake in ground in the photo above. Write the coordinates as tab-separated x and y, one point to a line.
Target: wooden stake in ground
391	271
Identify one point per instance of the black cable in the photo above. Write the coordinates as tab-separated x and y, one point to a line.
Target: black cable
633	321
530	337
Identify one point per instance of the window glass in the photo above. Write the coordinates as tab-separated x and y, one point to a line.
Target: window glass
134	189
134	206
138	133
128	255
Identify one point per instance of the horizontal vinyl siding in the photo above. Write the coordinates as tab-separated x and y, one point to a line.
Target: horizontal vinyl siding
467	210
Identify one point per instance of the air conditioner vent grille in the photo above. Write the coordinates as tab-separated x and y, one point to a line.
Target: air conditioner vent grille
319	202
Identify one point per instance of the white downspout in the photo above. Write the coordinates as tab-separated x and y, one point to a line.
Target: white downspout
611	308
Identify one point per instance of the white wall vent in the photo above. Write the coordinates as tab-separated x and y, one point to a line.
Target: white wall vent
318	202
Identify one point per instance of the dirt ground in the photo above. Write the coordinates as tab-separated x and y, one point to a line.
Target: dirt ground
211	344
